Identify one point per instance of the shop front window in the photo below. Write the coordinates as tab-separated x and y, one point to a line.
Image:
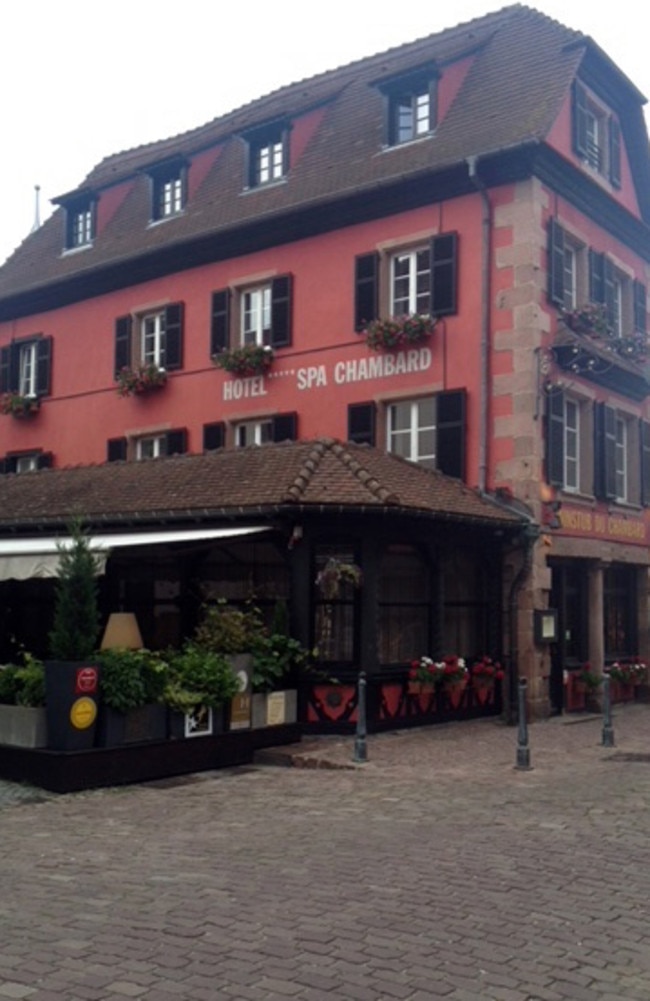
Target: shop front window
619	605
336	610
404	606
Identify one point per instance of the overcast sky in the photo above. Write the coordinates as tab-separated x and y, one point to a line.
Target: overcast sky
80	80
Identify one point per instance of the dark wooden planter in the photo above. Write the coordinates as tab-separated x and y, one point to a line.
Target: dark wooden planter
71	696
144	723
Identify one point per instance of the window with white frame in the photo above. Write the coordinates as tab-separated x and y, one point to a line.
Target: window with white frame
410	105
571	445
268	154
253	433
269	165
256	316
152	339
150	447
81	228
620	464
170	197
411	114
168	190
411	430
410	285
27	369
26	463
596	134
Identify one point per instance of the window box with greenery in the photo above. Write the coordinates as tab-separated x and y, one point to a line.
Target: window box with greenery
23	720
398	332
16	405
132	686
140	380
592	321
249	360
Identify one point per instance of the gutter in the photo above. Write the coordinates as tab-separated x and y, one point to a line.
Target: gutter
486	267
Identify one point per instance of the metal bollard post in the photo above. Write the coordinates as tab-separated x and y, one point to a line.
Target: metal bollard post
523	750
608	729
360	746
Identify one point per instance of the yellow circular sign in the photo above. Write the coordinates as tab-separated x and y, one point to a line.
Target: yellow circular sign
83	713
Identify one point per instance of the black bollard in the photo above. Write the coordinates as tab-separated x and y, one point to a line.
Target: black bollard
608	729
523	750
360	746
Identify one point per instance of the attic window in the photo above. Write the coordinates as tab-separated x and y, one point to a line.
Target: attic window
410	105
268	154
80	223
596	135
168	189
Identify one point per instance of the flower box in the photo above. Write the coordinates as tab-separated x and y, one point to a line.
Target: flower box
398	332
141	380
252	359
23	726
18	406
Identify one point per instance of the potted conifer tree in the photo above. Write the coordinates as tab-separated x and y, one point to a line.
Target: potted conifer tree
72	676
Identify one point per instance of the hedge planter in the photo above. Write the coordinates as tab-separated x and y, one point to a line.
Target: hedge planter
144	723
22	726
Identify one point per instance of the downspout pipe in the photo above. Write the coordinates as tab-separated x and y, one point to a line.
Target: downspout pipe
486	266
510	709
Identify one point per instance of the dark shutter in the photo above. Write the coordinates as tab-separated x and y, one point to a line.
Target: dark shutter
451	410
615	152
366	290
11	463
555	263
220	325
14	367
116	449
555	438
123	326
43	366
644	438
610	302
579	118
5	369
284	427
596	276
176	442
174	336
44	460
3	466
93	218
605	452
361	423
281	312
213	436
444	274
640	309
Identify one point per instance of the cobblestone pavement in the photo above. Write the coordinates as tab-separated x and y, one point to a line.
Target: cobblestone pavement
437	870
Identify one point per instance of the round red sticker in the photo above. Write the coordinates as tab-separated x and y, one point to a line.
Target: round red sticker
86	680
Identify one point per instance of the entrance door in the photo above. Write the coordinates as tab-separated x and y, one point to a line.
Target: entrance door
569	597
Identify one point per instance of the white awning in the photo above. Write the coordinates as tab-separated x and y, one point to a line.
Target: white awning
21	559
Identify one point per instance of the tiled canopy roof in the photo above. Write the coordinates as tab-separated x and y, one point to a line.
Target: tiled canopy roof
523	66
323	475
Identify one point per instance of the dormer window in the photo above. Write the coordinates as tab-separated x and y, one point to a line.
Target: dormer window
268	154
596	135
410	108
168	189
80	221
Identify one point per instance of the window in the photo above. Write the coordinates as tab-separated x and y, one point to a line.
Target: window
566	268
410	105
619	609
25	367
571	445
82	228
268	154
282	427
25	462
404	606
429	430
621	456
149	446
258	315
80	215
150	338
419	280
596	135
168	189
336	623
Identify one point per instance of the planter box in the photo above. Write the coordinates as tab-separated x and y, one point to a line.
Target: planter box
22	726
137	725
71	695
274	708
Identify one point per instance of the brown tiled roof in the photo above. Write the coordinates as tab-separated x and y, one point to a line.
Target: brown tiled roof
322	474
523	67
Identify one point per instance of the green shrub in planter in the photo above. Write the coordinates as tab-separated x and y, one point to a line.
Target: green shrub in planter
23	686
275	657
131	678
228	630
199	677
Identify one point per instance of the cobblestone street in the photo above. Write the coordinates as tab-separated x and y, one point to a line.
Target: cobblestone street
435	871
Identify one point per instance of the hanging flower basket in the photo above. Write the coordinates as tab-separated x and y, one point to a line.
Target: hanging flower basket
252	359
334	575
19	406
140	380
398	332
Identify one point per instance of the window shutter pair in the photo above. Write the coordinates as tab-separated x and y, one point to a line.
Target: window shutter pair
10	365
125	355
221	338
451	422
44	460
444	281
175	444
